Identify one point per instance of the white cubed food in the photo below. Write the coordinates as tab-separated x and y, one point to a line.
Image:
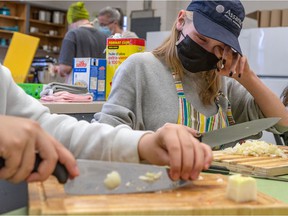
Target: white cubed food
241	188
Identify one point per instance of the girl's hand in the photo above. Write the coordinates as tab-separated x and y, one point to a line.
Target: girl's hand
178	147
232	64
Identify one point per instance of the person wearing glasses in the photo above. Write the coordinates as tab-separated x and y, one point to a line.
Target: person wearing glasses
111	20
82	40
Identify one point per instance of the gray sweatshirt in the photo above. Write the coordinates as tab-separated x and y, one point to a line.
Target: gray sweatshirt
83	139
144	96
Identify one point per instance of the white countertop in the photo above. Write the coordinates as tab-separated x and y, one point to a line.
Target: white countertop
69	108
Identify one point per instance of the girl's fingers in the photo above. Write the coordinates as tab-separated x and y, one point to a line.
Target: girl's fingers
241	66
234	64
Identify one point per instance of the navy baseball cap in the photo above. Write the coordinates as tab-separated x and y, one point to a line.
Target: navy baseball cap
219	20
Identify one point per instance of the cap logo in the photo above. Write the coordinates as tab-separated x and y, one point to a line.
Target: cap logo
230	15
220	8
234	18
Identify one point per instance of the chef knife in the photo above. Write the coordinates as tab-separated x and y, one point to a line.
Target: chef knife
134	178
237	132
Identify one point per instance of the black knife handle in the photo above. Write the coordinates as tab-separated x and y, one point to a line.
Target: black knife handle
60	172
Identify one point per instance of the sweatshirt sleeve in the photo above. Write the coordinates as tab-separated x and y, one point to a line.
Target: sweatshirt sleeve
125	100
244	107
85	140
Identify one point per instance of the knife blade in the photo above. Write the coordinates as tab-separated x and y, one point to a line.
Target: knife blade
237	132
135	178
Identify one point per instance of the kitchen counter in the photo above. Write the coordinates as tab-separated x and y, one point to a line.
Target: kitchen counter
81	111
73	108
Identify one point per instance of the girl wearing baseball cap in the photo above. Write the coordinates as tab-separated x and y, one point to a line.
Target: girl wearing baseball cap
198	77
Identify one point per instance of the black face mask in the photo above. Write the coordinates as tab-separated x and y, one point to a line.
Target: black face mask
195	58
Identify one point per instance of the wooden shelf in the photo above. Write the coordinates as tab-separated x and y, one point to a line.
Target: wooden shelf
6	31
47	23
26	15
46	35
11	17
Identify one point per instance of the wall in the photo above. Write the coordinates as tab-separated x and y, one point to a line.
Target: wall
167	9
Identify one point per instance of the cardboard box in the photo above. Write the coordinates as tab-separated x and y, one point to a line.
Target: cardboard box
284	21
270	18
117	50
90	72
262	17
275	18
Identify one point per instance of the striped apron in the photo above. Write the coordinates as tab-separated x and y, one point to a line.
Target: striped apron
190	117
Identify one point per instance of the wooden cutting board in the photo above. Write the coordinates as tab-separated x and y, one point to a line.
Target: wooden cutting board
205	196
266	166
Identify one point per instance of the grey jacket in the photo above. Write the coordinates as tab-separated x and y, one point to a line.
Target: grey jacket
88	141
144	96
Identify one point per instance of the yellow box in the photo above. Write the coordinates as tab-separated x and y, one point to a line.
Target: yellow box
117	50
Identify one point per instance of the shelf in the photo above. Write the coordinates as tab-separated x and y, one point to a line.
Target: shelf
6	31
48	51
46	35
22	15
47	23
11	17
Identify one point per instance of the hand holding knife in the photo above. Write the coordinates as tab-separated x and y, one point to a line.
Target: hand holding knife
60	172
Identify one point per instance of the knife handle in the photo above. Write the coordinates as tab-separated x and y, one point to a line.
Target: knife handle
60	172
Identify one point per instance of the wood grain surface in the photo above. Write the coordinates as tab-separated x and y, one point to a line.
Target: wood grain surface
265	166
205	196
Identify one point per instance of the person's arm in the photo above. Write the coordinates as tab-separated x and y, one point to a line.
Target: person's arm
20	139
64	70
103	142
121	107
66	55
237	67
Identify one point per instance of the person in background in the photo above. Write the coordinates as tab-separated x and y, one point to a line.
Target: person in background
82	40
174	145
197	77
111	22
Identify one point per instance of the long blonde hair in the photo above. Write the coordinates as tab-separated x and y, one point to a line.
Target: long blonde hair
167	52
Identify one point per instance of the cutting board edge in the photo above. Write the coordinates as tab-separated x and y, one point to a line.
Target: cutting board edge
238	168
279	209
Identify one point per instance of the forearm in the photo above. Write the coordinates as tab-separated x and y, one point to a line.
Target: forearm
64	70
269	103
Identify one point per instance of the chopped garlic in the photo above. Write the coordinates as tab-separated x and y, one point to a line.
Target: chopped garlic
256	148
200	177
150	177
113	180
220	180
